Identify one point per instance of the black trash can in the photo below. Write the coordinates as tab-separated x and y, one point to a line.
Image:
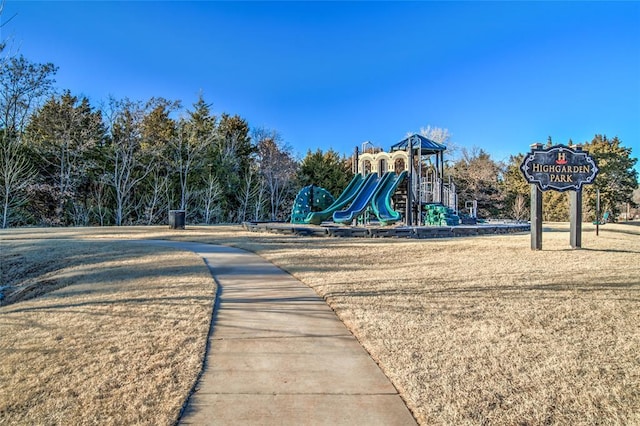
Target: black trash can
176	219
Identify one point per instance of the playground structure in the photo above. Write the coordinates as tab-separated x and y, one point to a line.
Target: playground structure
308	196
405	185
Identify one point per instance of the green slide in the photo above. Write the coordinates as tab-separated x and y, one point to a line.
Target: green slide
345	198
362	200
381	203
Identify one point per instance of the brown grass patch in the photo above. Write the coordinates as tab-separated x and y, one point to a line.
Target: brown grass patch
116	336
478	330
485	331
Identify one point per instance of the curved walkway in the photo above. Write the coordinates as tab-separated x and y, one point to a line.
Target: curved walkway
279	355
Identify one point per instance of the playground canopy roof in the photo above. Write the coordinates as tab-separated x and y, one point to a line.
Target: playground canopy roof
426	145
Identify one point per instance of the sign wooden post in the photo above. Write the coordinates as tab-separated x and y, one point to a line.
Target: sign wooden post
575	217
559	168
536	218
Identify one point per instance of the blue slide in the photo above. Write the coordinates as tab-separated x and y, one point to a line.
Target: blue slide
346	197
381	203
362	200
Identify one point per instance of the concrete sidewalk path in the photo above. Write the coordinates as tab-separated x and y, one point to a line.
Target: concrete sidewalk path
279	355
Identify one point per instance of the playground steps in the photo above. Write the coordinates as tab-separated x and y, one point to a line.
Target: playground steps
400	199
440	215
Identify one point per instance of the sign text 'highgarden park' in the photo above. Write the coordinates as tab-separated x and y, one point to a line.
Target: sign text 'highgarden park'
559	168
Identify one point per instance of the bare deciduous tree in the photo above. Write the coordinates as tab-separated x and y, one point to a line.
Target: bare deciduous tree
187	148
127	166
22	85
211	198
63	133
155	196
519	208
478	177
277	168
249	188
442	136
100	197
16	174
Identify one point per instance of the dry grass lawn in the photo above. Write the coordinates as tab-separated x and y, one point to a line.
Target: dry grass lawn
121	340
478	330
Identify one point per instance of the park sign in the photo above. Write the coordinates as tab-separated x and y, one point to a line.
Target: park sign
560	168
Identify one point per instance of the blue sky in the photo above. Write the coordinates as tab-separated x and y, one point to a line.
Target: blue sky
498	75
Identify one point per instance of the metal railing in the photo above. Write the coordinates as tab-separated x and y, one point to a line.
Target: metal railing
430	192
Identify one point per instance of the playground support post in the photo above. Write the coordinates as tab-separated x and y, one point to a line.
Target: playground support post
417	204
440	160
356	158
536	218
409	218
575	213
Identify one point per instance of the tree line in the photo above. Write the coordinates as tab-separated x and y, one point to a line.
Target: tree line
502	191
66	162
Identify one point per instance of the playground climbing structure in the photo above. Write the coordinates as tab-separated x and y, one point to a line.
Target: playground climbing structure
405	184
310	199
423	161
